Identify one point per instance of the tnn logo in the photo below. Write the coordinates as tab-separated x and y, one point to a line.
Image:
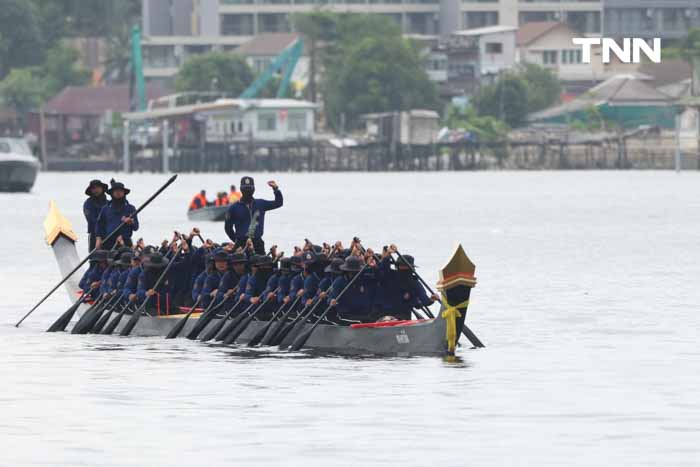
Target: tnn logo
630	52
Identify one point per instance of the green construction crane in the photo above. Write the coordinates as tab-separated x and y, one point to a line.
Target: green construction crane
137	69
287	59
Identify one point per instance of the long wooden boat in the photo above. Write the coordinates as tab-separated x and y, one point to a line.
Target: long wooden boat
427	337
209	213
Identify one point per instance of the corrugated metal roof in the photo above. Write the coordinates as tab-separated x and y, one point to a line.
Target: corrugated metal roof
221	105
484	31
96	100
529	32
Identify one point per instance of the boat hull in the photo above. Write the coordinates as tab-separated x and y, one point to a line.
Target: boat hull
421	338
18	174
210	213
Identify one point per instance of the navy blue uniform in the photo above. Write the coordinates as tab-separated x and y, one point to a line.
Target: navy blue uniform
228	281
132	282
356	303
93	274
400	291
109	219
91	209
211	283
239	215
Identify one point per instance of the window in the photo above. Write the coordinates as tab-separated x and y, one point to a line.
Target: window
494	48
237	25
549	57
267	121
273	22
297	122
480	19
571	57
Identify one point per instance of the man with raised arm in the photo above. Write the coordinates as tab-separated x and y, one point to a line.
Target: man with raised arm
246	218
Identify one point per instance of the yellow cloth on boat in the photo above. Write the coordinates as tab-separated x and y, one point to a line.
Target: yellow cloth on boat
450	315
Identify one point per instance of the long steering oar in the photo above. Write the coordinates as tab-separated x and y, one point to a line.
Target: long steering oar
129	326
304	336
465	330
175	331
106	239
231	338
63	320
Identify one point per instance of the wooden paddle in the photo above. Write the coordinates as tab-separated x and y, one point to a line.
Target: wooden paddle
91	317
274	329
205	318
293	329
106	239
216	329
465	330
301	339
63	320
97	328
175	331
129	326
258	337
231	338
231	325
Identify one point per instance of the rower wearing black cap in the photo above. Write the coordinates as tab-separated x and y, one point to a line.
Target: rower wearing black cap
116	211
97	198
246	218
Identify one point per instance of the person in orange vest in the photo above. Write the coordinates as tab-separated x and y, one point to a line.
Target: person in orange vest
234	195
199	201
221	199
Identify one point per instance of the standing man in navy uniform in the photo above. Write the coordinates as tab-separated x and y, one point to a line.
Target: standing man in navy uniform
92	207
113	214
246	218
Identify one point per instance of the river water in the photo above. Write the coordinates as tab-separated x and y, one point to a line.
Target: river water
587	300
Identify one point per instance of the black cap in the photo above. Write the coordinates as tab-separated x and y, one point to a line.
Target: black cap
99	255
262	261
309	257
406	260
238	258
117	186
352	264
247	182
220	255
334	266
155	261
285	265
94	183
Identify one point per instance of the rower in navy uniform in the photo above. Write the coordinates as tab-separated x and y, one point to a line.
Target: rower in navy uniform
116	211
246	218
97	199
400	289
356	302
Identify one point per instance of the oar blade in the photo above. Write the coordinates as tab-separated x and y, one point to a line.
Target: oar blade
112	326
175	331
300	340
101	322
131	324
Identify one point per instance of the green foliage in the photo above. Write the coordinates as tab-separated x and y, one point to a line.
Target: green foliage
368	66
21	90
487	129
215	71
21	41
543	87
61	69
505	100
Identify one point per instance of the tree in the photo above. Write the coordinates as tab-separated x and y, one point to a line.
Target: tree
371	68
317	27
215	71
61	69
21	43
488	129
690	52
543	87
506	100
21	90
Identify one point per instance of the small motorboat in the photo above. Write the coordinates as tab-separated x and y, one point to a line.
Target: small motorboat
18	167
209	213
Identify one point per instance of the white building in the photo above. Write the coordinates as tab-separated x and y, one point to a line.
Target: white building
176	29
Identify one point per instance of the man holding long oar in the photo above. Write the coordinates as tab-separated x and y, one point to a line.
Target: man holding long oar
119	216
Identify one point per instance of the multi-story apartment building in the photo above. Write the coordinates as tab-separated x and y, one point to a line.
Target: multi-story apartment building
175	29
667	19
